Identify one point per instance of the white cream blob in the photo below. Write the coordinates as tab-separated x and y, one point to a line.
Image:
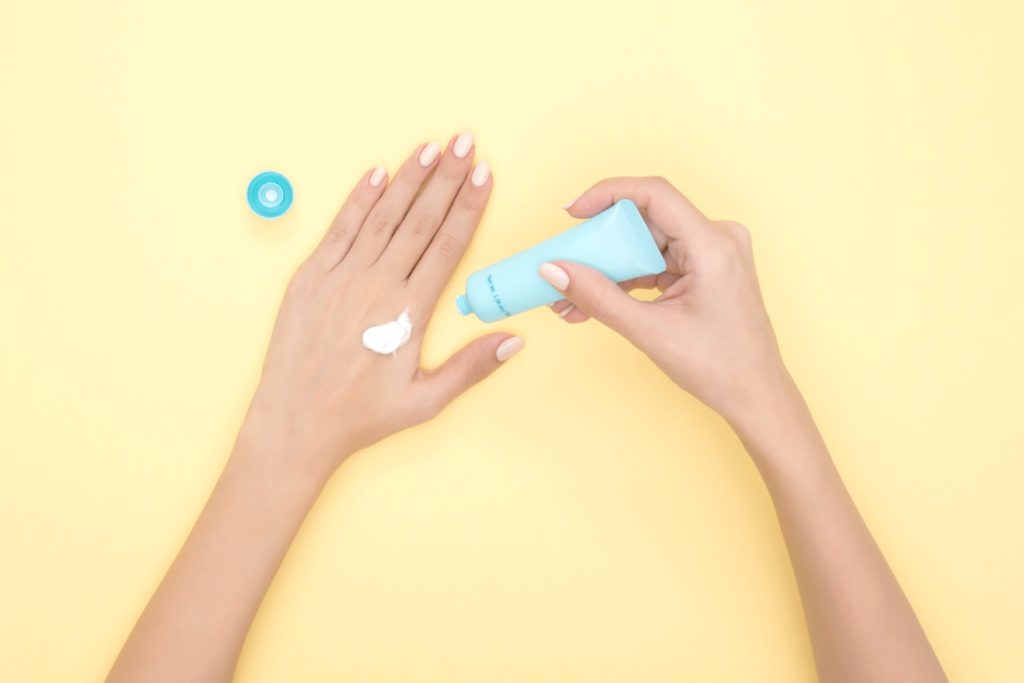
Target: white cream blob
390	336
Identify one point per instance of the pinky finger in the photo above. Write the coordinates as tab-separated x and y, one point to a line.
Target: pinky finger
568	312
574	315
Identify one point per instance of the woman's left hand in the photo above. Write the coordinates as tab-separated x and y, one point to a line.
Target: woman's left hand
391	248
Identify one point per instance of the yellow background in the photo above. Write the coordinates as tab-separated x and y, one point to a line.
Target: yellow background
577	517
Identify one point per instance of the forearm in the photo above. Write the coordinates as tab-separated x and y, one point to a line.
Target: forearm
194	625
861	624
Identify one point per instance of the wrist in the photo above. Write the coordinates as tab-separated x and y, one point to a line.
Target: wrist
281	467
774	422
760	397
274	441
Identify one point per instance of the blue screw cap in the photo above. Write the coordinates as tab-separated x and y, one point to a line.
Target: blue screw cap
269	194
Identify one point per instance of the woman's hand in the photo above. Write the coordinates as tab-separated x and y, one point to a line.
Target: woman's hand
708	330
391	248
322	396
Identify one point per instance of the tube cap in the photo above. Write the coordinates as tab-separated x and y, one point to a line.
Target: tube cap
462	303
269	194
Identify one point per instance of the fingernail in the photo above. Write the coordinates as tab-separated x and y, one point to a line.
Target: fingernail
377	176
509	348
480	174
567	310
463	144
570	202
429	153
555	276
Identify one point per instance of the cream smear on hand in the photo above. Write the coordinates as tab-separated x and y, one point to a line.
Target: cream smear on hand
390	336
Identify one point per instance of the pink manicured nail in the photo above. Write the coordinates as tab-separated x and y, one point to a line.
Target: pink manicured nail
509	348
480	174
463	144
555	276
377	176
429	153
570	203
567	310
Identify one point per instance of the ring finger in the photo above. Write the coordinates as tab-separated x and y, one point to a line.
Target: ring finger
390	210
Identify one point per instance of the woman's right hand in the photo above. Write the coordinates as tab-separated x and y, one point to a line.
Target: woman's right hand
710	333
708	330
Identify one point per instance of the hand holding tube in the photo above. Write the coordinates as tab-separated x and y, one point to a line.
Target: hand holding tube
708	330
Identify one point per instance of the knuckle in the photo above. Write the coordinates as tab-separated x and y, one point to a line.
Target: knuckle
364	201
452	172
737	230
739	236
339	232
729	245
725	251
473	202
379	224
448	245
421	224
413	178
659	181
477	367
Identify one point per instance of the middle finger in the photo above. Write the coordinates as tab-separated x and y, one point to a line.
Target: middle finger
391	208
430	207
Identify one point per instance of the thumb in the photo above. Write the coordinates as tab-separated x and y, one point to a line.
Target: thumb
594	294
467	366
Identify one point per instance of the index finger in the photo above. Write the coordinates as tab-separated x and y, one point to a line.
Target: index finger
658	200
435	267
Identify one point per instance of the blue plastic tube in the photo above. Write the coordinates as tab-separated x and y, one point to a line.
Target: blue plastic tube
616	242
